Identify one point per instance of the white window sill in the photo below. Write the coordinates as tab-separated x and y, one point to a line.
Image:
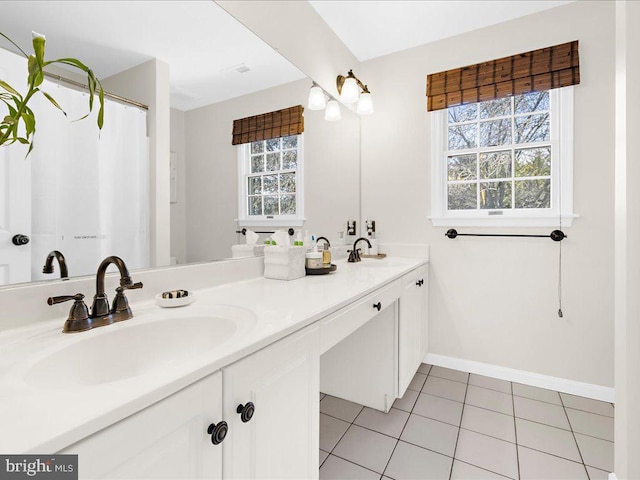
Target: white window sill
271	223
502	221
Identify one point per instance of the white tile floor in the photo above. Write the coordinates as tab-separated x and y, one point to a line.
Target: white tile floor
455	425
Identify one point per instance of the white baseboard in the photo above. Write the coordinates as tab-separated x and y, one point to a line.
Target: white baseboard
612	476
597	392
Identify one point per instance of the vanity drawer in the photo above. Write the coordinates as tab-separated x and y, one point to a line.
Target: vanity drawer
341	324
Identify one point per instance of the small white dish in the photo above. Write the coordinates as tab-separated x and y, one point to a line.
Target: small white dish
174	302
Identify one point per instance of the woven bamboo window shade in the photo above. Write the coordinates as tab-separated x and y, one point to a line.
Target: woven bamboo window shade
543	69
281	123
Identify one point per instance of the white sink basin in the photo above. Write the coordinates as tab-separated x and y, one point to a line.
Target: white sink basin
125	350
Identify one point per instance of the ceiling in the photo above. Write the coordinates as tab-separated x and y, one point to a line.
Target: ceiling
371	29
205	46
202	43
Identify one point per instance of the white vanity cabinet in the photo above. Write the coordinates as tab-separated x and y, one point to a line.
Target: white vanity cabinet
281	440
366	352
170	440
412	327
370	354
166	440
363	366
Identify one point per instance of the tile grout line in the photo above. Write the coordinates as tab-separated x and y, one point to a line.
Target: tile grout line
515	429
558	428
482	468
356	464
382	433
405	424
455	448
573	434
439	396
345	432
556	404
586	411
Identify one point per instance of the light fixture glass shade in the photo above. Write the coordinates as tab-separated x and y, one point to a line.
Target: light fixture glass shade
350	91
332	113
317	100
365	104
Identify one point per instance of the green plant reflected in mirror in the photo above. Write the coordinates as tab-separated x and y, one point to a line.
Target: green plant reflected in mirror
17	103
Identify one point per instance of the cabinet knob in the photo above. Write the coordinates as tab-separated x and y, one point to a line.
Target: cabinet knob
218	432
420	282
377	306
246	411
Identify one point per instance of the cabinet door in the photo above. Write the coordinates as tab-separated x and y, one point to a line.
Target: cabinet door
281	440
166	440
412	326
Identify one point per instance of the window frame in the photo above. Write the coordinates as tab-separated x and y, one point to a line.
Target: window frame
244	172
561	103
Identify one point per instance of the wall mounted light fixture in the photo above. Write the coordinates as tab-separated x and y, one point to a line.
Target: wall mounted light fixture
352	90
317	99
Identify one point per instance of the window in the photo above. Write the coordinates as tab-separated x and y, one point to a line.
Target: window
270	182
504	162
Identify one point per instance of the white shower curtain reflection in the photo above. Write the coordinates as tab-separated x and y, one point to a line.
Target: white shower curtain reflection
90	188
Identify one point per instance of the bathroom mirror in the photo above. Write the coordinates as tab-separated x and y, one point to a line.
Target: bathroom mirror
197	69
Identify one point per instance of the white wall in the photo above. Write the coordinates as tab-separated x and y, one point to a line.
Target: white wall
178	210
331	169
627	261
495	300
149	84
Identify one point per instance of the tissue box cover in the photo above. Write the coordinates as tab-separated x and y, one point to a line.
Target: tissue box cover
284	263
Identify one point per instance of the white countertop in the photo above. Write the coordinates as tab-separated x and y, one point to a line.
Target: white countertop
38	419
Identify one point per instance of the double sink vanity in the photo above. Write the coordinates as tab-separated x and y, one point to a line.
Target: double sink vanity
227	387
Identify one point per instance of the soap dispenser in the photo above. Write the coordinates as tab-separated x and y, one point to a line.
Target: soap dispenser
326	256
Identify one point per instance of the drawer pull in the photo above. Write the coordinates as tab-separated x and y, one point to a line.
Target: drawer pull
377	306
246	411
218	432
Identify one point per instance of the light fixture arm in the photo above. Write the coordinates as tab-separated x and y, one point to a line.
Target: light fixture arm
341	79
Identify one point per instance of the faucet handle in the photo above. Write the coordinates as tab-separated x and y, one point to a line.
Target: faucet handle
78	319
120	309
78	297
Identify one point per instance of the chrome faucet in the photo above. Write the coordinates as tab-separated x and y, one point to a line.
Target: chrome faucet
354	255
48	264
80	319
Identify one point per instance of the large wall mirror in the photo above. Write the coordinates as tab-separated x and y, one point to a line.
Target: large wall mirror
158	185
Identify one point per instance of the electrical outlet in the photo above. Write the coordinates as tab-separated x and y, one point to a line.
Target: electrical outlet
351	227
370	227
